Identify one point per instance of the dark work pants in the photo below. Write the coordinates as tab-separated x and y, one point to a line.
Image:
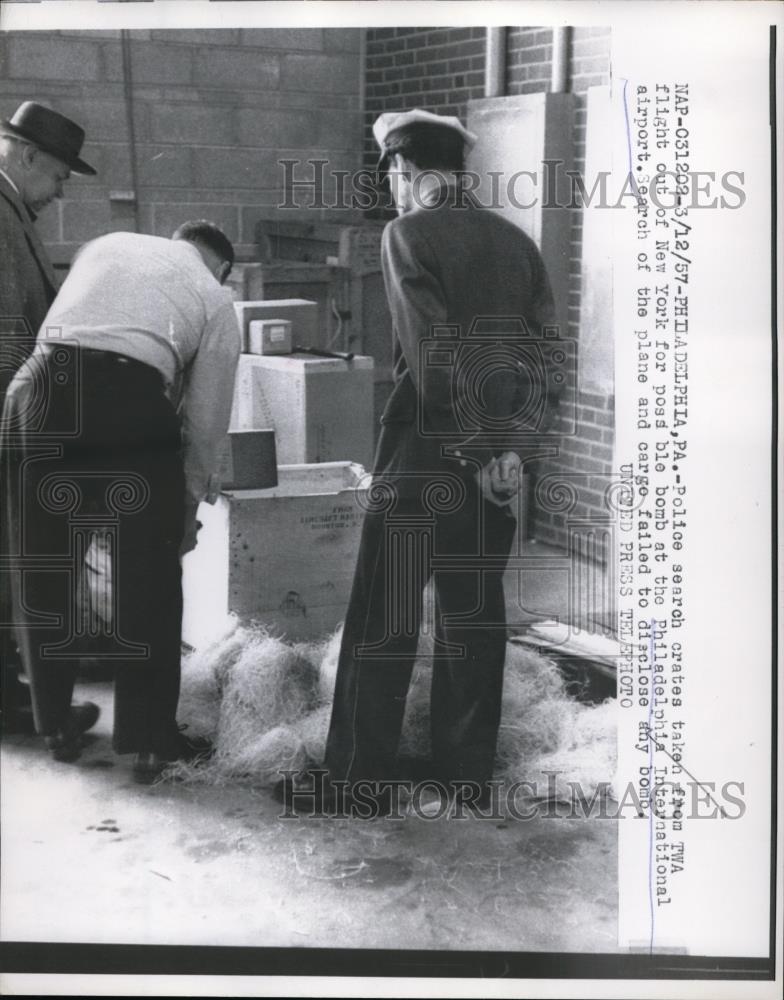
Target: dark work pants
14	694
91	443
16	345
465	550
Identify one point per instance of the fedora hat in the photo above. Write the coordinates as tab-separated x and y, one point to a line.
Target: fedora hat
52	132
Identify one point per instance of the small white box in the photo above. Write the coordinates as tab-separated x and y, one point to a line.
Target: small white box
269	336
303	314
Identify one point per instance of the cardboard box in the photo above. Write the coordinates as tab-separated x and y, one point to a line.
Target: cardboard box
302	313
320	408
269	336
284	557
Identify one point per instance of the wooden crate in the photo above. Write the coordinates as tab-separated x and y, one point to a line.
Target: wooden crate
246	281
284	557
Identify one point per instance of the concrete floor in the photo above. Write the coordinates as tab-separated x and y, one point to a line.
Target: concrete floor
89	856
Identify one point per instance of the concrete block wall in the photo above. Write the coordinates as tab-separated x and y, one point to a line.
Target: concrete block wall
441	69
213	112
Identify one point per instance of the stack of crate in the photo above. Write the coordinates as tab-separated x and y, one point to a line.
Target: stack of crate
304	398
339	267
284	555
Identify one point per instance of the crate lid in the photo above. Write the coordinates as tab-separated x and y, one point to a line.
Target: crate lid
306	362
311	479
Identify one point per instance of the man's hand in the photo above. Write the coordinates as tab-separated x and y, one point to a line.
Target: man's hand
504	474
501	478
191	529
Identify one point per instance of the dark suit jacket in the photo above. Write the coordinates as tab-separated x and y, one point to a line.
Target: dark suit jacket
469	298
27	283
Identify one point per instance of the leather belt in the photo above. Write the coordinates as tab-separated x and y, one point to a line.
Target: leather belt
101	357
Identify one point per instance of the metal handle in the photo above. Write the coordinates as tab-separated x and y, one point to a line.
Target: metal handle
319	353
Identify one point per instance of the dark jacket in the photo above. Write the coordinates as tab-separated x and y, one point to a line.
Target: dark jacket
471	307
27	283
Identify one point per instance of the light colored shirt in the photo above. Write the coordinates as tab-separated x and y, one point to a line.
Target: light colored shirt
155	300
4	174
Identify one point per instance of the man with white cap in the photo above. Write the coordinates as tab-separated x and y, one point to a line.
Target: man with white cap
440	142
444	474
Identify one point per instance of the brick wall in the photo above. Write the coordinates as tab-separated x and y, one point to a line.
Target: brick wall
441	70
213	111
585	461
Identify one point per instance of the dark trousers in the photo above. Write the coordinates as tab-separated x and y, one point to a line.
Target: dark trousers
90	443
14	694
465	551
17	342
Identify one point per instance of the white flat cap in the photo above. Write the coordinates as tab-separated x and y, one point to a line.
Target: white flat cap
391	121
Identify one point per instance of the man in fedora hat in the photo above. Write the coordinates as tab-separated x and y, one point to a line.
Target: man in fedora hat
39	149
470	300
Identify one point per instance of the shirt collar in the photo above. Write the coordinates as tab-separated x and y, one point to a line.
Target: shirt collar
31	214
447	192
13	185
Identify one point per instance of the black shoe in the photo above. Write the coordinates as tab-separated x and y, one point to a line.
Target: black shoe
149	765
191	748
65	743
84	715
